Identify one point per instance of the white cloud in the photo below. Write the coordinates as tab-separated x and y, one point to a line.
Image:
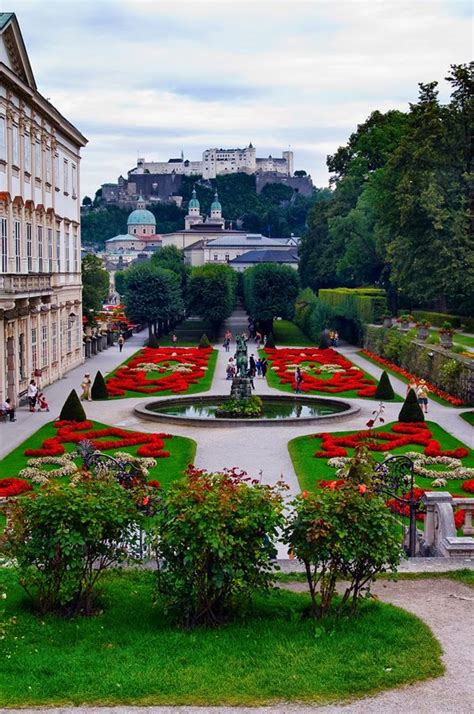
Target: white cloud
159	76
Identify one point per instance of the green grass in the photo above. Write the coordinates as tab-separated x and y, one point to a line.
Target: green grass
458	338
131	654
287	334
274	381
432	396
182	452
203	385
468	416
188	333
310	469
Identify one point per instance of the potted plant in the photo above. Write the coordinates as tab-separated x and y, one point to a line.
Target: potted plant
446	333
387	320
404	321
423	328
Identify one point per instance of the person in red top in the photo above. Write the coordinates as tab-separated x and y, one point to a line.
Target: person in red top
42	402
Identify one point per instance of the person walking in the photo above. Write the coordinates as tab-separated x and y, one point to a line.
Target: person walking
86	385
258	339
8	409
32	393
258	365
264	366
298	380
120	342
252	366
174	339
422	395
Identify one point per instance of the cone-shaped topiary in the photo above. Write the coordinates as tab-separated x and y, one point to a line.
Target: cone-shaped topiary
411	410
270	340
384	389
204	342
153	342
72	408
99	388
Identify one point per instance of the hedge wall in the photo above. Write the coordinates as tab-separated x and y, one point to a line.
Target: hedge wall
438	318
368	305
447	371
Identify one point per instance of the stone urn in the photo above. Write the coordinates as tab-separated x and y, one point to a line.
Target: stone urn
387	322
404	326
446	339
423	333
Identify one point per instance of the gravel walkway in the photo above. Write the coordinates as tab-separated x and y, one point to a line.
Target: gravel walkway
446	606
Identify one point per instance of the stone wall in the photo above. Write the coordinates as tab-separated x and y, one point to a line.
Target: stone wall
444	369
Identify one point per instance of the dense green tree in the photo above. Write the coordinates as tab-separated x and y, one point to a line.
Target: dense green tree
95	284
171	258
152	296
211	293
270	291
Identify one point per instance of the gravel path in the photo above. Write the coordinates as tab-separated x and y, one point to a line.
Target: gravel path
446	606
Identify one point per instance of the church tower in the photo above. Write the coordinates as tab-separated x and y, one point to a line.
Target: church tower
216	212
194	212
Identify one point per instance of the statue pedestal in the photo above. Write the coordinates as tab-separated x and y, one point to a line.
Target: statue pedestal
241	388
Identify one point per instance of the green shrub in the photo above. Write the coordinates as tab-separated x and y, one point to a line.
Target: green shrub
384	389
240	408
214	542
346	533
99	388
411	410
72	408
204	342
63	539
437	318
153	342
365	304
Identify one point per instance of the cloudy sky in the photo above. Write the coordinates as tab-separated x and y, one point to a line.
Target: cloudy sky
153	78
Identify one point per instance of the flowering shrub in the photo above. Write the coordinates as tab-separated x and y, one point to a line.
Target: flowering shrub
455	401
13	487
343	532
179	369
344	377
151	445
214	543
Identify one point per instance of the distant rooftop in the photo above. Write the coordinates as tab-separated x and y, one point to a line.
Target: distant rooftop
267	256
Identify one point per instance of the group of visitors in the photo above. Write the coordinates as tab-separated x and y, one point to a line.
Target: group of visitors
333	338
421	390
37	402
256	367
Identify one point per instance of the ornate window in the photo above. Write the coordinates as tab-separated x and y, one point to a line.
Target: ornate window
15	147
38	171
50	250
22	356
17	244
34	348
3	142
39	230
54	341
27	152
3	245
68	252
58	250
29	246
44	345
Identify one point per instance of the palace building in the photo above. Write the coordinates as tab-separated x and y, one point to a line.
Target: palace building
40	244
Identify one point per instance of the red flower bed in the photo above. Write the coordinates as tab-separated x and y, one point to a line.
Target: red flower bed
400	434
410	377
468	486
351	379
13	487
72	432
402	509
130	378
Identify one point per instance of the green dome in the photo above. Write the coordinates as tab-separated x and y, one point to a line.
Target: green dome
194	203
141	217
215	205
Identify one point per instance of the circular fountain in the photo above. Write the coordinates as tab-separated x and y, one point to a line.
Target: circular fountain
275	409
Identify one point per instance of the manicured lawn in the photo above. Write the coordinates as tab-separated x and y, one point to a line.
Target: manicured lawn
274	381
203	385
310	469
188	333
287	334
182	452
432	396
469	417
130	654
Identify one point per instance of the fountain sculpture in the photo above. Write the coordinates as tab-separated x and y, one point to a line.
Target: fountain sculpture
241	384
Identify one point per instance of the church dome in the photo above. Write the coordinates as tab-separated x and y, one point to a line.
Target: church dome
194	203
215	205
141	217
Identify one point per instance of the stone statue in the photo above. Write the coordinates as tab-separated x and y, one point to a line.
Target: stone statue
241	356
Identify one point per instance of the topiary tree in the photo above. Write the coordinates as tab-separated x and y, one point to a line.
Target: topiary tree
153	342
72	408
411	410
204	342
99	388
384	390
215	535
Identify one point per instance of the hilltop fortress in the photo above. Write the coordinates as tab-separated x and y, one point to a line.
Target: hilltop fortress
218	162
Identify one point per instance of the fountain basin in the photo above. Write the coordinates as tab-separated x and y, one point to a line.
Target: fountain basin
277	411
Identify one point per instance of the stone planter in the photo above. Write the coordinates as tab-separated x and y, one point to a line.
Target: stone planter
446	340
423	333
387	322
404	326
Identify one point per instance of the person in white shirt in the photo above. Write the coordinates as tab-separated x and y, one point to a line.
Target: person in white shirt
8	409
32	394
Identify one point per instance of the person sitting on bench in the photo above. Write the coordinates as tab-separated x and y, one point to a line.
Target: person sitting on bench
7	409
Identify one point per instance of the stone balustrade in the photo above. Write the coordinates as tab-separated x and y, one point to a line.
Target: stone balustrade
440	535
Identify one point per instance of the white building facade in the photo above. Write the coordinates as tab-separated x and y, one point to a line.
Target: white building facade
40	246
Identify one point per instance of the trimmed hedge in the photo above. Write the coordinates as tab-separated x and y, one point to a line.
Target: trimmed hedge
99	388
368	305
437	319
384	390
411	410
72	409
